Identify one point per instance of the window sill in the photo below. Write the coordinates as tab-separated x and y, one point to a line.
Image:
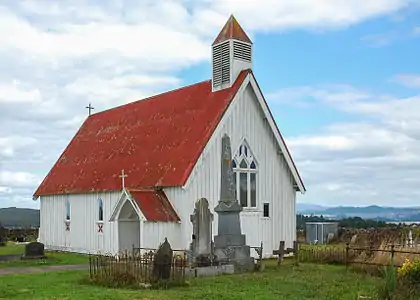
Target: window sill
99	222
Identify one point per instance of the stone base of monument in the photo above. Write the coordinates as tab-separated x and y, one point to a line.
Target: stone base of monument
239	256
210	270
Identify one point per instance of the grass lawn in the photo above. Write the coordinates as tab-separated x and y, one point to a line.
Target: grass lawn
306	281
53	258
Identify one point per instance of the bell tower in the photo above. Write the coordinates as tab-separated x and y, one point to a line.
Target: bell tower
231	53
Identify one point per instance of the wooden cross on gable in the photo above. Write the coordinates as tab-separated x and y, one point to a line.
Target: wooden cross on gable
90	107
122	176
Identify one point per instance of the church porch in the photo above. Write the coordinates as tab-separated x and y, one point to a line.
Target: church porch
144	219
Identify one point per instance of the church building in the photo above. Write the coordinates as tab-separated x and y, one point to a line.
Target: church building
131	175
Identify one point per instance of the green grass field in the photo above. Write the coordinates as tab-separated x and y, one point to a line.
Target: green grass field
53	258
306	281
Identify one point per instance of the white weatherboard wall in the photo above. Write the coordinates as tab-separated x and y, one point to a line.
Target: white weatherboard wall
244	119
84	216
157	231
84	237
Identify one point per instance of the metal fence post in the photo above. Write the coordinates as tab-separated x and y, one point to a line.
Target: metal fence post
392	254
296	251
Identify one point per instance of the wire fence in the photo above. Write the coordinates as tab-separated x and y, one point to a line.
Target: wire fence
385	255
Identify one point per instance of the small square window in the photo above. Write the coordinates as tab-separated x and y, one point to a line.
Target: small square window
266	210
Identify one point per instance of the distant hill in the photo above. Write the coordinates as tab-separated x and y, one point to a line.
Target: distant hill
309	207
19	217
384	213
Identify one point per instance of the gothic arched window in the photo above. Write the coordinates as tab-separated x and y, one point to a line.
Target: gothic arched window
101	210
67	210
245	168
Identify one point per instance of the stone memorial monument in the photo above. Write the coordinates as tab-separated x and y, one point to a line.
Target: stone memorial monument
202	244
230	243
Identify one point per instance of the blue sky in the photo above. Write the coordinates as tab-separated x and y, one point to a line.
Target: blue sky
342	80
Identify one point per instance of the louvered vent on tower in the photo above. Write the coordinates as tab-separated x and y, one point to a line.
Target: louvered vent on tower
242	51
221	64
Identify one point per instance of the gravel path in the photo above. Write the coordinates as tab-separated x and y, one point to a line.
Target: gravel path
29	270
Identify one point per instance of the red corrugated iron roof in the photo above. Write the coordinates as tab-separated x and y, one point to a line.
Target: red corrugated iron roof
232	30
157	142
155	206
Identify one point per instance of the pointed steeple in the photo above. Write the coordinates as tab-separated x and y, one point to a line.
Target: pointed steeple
232	30
231	53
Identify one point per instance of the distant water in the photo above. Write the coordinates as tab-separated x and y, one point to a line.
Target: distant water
404	222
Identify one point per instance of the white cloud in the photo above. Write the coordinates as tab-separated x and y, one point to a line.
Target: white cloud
328	142
18	179
408	80
9	145
118	90
5	190
272	14
152	43
382	39
360	162
11	93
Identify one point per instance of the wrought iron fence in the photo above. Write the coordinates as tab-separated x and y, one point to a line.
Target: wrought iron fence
137	267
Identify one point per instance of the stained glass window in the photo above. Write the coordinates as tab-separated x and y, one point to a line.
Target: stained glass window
67	209
253	188
245	178
101	210
243	188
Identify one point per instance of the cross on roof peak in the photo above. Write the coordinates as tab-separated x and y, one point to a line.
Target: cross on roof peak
122	176
90	107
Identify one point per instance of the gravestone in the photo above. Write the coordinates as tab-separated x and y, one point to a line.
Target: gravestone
162	262
353	239
34	250
410	239
3	238
201	245
230	243
330	237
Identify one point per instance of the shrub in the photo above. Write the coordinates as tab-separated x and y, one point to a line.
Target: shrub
402	283
409	272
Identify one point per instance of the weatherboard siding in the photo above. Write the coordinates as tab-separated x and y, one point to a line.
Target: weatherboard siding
158	231
244	119
84	214
83	236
